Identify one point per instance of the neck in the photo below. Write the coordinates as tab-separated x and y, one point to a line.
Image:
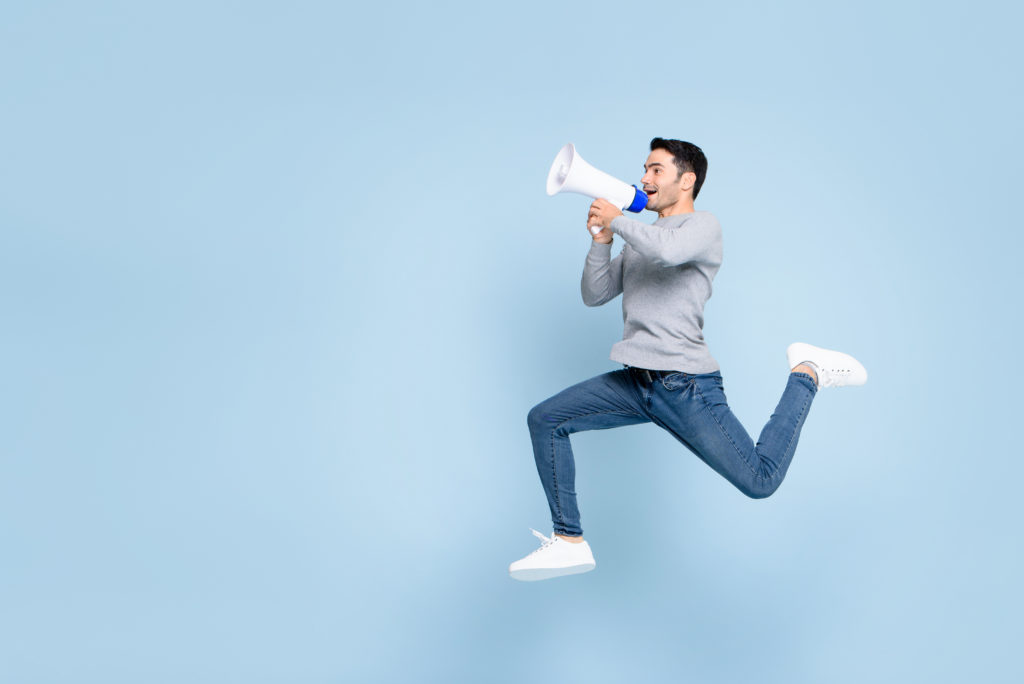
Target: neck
681	207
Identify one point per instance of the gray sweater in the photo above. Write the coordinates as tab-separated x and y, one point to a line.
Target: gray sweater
664	273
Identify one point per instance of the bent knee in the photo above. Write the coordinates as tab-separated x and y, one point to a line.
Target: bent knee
760	489
535	419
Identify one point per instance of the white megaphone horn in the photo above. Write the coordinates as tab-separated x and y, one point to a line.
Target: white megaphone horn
569	173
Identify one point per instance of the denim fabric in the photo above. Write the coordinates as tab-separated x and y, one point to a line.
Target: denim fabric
692	407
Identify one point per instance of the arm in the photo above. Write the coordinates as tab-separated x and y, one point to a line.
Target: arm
602	275
699	239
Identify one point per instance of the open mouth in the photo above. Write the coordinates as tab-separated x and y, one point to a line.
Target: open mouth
651	193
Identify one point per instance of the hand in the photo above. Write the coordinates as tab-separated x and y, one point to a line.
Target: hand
604	236
601	214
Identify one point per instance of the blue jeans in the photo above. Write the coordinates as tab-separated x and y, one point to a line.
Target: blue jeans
691	407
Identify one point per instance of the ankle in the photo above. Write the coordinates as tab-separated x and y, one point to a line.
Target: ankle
806	368
571	540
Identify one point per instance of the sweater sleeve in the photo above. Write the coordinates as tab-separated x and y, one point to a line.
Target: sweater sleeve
602	275
698	239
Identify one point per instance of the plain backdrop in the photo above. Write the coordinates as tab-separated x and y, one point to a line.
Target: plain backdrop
279	284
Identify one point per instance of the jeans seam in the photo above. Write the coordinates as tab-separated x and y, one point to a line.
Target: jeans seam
554	480
803	412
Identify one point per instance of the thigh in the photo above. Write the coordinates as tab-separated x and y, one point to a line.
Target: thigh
604	401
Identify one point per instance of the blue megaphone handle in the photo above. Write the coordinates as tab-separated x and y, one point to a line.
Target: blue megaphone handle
639	200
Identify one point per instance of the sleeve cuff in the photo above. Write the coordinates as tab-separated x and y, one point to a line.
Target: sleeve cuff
616	224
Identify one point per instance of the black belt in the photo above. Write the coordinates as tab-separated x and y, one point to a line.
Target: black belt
651	375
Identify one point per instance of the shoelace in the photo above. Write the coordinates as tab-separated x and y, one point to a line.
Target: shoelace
832	375
545	541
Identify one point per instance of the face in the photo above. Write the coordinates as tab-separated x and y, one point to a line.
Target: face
664	186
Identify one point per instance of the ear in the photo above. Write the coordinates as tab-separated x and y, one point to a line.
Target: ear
688	180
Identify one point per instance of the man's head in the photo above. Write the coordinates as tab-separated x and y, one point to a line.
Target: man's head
673	175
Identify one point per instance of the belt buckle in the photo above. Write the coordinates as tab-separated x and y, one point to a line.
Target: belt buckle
644	373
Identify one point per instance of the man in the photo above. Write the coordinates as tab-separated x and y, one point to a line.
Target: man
664	274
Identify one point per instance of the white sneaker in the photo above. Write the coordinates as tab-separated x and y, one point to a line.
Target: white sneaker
554	558
835	369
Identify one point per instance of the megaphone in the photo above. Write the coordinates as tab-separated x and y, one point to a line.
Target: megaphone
569	173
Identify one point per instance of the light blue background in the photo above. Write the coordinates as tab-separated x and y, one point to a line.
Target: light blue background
279	284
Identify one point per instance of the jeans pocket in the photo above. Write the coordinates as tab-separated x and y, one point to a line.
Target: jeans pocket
711	387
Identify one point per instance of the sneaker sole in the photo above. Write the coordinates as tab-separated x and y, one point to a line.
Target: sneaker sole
534	574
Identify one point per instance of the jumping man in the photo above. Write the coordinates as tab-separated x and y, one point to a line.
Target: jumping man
664	275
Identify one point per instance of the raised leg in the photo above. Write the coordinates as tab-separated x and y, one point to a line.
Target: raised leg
697	414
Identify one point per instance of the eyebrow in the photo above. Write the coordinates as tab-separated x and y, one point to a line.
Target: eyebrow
647	166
